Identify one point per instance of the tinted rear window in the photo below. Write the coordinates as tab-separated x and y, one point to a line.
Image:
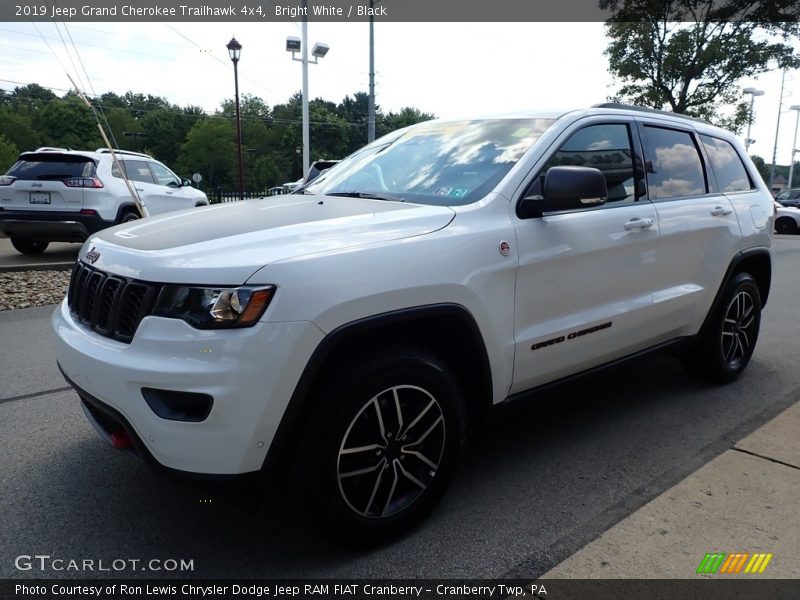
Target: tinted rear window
48	167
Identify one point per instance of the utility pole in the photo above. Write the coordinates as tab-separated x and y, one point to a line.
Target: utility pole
777	129
371	117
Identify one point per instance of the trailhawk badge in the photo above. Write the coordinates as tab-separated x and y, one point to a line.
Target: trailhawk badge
92	255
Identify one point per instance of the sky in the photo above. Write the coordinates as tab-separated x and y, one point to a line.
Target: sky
448	69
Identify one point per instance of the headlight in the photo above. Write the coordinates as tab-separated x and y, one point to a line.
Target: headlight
214	308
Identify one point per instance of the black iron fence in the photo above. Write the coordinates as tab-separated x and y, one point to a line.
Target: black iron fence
219	196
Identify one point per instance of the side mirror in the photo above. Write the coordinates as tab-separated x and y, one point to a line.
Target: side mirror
186	183
566	188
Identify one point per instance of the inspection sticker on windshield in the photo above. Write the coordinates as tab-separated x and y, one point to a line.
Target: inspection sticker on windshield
459	192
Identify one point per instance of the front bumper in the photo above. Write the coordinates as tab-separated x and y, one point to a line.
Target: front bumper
51	226
250	373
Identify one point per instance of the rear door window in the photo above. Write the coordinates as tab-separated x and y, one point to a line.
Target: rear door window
673	164
52	167
728	168
136	169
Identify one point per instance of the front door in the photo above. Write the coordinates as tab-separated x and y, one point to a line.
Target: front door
585	280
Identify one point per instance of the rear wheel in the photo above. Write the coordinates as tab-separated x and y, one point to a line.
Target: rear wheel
29	246
728	339
380	446
128	216
785	225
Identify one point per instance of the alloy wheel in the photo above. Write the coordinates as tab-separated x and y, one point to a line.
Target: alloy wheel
391	451
738	328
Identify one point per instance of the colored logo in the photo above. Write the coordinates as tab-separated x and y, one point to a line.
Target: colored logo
736	562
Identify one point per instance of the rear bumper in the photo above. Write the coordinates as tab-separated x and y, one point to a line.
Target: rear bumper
51	226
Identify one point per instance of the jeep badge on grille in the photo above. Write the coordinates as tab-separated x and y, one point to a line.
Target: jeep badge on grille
92	255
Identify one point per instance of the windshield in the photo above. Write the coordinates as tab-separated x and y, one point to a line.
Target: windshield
443	163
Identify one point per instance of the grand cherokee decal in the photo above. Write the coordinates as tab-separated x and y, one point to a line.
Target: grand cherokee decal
571	336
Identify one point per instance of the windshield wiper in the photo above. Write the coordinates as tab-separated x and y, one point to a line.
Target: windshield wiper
370	195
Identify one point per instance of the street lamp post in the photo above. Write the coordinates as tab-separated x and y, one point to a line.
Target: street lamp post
753	93
796	108
235	51
135	135
319	50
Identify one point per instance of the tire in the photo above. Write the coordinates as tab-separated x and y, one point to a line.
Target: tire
379	447
128	216
728	338
29	246
785	225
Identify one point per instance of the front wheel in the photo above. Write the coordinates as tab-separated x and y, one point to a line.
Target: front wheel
29	246
724	347
380	446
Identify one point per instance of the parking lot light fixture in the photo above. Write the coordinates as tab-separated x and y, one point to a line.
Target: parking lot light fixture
753	93
235	52
319	50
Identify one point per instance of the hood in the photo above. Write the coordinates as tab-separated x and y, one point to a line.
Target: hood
226	244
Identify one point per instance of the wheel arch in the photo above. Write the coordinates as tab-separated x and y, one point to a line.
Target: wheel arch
448	330
756	261
123	208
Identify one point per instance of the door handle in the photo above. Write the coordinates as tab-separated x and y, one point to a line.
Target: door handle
720	211
139	189
638	224
169	193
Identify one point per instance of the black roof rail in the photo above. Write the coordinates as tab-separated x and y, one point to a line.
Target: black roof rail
646	109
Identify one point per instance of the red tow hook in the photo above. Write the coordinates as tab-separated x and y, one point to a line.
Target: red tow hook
120	439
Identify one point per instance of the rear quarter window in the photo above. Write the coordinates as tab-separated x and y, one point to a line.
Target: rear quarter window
729	170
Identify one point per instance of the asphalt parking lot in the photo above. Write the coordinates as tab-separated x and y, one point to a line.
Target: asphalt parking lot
543	481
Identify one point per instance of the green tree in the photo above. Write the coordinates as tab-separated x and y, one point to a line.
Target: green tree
688	55
762	167
266	174
68	123
18	128
166	129
210	150
355	111
407	116
8	154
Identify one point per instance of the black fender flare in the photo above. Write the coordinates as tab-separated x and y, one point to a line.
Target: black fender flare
302	398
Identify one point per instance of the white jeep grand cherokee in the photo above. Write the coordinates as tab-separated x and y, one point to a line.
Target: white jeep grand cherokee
358	330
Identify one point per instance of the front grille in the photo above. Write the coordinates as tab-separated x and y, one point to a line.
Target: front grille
112	306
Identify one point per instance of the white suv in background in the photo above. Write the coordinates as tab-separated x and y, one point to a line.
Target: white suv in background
358	331
59	195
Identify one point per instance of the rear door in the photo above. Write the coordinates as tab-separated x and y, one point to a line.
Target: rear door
139	173
47	181
699	231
